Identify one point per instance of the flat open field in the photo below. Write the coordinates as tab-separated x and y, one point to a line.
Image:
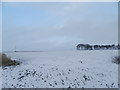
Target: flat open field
62	69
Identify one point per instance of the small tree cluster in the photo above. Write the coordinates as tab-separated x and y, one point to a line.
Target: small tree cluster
97	47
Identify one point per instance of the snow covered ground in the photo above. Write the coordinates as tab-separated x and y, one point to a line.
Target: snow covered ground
62	69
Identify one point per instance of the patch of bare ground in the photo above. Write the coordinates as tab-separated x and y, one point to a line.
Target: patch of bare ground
116	60
6	61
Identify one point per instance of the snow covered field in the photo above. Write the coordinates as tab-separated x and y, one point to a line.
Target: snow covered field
63	69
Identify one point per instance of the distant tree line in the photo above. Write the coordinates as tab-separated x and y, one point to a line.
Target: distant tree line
97	47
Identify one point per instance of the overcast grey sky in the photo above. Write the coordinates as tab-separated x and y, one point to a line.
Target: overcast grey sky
58	26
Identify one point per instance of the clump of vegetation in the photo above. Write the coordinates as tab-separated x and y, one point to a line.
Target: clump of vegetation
116	60
6	61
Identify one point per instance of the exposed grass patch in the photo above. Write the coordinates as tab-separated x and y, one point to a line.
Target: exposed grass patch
6	61
116	60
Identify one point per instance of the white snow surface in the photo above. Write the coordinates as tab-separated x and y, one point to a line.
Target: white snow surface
62	69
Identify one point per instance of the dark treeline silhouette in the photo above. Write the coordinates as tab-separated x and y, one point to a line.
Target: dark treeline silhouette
97	47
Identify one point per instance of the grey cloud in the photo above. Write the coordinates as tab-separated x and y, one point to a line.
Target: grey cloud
77	26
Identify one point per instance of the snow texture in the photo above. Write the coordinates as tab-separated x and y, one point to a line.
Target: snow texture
62	69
